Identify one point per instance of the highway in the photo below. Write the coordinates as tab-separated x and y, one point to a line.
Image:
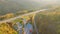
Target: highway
11	19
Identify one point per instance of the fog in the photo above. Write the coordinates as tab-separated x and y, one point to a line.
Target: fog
17	5
43	2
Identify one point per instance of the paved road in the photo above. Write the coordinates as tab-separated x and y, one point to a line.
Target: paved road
8	20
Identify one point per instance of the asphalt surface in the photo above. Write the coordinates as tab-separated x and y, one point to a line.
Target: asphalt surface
11	19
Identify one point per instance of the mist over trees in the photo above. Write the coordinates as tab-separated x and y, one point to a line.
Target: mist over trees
13	6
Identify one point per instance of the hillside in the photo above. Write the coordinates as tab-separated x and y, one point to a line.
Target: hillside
13	6
8	6
48	22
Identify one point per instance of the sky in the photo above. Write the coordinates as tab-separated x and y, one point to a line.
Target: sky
39	1
43	1
46	1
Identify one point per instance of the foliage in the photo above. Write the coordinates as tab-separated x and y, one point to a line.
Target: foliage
48	22
6	29
7	16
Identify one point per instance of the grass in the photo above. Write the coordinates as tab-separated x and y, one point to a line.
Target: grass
48	22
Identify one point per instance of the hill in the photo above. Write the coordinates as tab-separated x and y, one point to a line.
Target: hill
48	21
13	6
